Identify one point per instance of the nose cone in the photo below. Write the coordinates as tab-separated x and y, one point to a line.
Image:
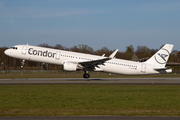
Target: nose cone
7	52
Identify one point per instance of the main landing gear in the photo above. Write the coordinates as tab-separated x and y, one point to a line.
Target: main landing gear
86	74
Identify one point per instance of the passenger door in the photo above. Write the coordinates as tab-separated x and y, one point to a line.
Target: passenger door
24	49
58	53
143	68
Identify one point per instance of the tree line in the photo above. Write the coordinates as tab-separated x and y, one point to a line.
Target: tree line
141	53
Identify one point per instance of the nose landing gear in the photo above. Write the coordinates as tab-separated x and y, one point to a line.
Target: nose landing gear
22	64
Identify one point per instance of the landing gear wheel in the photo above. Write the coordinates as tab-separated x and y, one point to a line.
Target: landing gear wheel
86	75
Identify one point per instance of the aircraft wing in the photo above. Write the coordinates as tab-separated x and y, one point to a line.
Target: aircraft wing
92	64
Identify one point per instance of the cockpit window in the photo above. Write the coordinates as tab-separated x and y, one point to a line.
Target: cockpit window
15	48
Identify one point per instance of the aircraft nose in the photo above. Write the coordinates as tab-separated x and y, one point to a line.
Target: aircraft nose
7	52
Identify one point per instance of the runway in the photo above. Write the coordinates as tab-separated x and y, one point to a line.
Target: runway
92	81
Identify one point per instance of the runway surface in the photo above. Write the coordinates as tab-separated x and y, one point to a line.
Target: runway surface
92	81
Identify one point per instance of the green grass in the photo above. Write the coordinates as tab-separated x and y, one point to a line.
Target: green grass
103	99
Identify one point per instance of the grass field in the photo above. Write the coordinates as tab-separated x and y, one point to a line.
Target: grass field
101	99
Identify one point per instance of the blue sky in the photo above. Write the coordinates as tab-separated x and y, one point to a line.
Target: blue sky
114	24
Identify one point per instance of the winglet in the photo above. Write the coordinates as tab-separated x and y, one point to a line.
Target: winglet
103	55
113	54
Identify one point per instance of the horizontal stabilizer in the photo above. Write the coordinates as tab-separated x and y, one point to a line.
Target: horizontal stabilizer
163	69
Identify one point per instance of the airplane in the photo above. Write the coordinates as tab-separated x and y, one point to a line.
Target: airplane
73	61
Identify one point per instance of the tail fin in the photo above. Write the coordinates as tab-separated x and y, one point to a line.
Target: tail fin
161	57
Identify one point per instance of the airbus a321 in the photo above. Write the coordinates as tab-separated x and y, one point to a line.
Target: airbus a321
73	61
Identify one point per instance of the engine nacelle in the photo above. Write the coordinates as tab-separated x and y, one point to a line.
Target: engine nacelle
69	66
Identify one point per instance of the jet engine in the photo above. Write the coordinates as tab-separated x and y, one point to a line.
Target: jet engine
69	66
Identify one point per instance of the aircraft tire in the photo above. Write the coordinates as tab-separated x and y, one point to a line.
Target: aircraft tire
86	75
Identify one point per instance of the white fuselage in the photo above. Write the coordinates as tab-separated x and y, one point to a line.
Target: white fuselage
58	57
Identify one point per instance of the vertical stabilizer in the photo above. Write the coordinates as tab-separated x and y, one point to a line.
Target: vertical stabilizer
161	57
